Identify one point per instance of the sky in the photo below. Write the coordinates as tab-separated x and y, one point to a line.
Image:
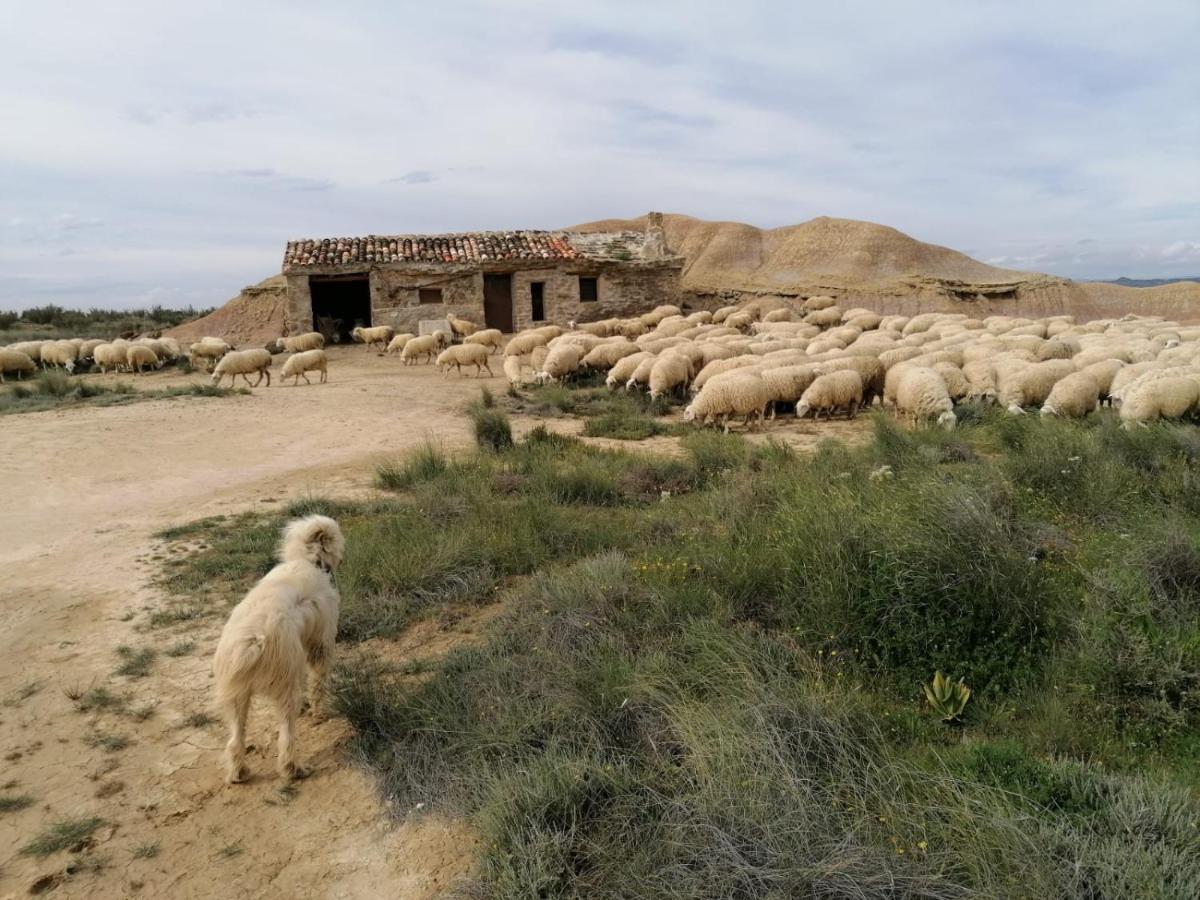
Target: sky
164	152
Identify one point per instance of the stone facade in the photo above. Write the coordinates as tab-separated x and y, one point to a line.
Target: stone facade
627	281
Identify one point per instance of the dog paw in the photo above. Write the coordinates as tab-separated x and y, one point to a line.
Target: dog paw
238	776
295	772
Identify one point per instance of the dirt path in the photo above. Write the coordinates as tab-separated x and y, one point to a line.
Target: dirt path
84	491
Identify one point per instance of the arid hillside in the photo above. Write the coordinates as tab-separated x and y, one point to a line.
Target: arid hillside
879	267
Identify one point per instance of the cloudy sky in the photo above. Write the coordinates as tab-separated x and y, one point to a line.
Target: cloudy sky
164	152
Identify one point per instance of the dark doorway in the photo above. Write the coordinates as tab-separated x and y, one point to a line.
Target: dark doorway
537	297
497	302
339	305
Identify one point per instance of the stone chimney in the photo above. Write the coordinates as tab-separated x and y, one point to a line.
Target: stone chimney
655	244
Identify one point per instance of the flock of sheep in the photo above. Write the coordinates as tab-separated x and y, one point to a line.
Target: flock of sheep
826	360
739	362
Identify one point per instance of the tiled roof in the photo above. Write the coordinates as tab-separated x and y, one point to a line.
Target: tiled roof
472	247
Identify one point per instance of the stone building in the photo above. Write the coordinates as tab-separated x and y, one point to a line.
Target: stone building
499	279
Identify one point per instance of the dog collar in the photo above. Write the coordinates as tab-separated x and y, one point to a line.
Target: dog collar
325	567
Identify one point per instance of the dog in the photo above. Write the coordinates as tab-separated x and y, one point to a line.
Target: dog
282	629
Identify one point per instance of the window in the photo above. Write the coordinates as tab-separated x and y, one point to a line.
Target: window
429	295
537	297
589	291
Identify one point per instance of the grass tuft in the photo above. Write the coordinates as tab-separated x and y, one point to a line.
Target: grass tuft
67	834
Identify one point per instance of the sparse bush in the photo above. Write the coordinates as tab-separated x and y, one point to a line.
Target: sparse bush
426	463
492	428
68	834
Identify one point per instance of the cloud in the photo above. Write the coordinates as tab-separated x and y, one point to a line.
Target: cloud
420	176
980	125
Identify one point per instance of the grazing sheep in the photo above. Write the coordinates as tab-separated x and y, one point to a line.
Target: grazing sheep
922	395
722	314
283	630
779	315
379	334
397	344
14	361
462	327
981	381
787	384
139	356
87	348
109	356
735	394
669	374
829	393
624	368
640	377
243	362
824	318
1030	385
32	349
298	343
740	320
956	380
720	366
537	358
60	354
298	365
605	356
1072	397
1170	397
208	349
814	304
464	355
513	369
869	369
1103	373
560	362
522	344
491	338
424	346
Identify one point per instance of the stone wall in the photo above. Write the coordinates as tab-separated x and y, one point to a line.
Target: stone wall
395	296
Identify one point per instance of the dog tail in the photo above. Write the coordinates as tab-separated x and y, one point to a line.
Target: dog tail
270	660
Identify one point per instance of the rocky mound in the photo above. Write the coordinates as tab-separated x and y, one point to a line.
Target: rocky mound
255	316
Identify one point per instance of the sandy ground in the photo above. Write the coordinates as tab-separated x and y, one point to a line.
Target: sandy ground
84	491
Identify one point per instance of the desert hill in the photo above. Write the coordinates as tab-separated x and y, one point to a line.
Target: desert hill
872	265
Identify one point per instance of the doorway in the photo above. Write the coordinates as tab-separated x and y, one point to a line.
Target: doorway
339	305
497	302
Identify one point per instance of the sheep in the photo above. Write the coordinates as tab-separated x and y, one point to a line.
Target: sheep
956	381
624	368
824	318
1169	397
922	395
659	313
243	362
109	356
512	369
172	345
720	315
669	373
139	356
464	355
605	356
1103	373
1030	385
828	393
207	349
396	344
461	327
379	334
700	317
981	381
537	357
492	338
778	315
786	384
718	366
60	354
740	320
560	362
522	344
15	361
869	369
1072	397
815	304
424	346
641	375
299	364
298	343
87	348
32	349
737	394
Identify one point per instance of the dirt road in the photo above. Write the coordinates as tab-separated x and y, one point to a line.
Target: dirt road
83	492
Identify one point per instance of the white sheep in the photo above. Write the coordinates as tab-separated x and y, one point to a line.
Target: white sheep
109	356
139	357
378	334
60	354
669	374
786	384
14	361
624	368
491	338
522	344
720	315
742	394
561	361
462	327
464	355
1030	384
813	304
640	377
397	344
88	347
832	392
922	395
298	343
243	362
605	356
299	364
208	349
424	346
1170	397
513	369
32	349
1072	397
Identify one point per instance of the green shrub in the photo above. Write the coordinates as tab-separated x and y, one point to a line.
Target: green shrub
492	428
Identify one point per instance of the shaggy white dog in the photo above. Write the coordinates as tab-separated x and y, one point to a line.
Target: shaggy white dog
285	625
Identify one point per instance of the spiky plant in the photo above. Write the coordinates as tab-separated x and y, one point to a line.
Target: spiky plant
948	698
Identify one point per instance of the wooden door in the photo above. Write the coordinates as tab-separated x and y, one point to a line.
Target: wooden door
497	302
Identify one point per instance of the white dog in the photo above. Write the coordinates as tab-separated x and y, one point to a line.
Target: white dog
285	625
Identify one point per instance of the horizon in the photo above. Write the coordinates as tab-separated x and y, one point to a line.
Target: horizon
167	155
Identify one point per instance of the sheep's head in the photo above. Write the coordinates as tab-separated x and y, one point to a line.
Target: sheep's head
947	420
357	333
69	365
689	414
1048	411
802	410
